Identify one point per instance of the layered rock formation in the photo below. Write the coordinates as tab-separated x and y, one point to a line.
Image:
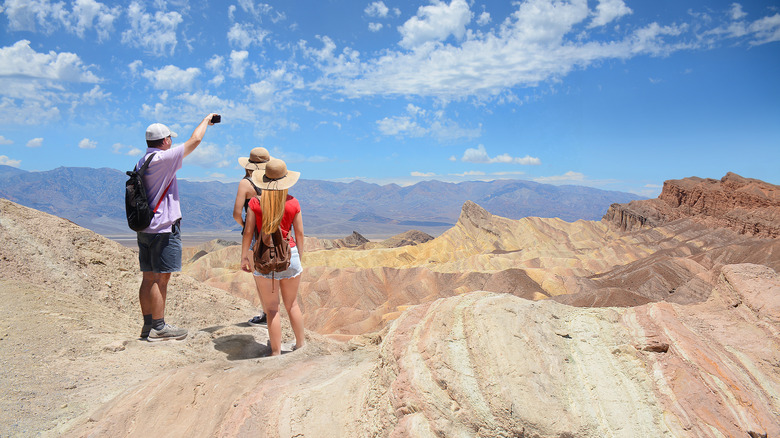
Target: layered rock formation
487	365
748	206
498	327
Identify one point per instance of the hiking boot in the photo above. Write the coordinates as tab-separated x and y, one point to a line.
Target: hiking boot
167	333
258	320
145	331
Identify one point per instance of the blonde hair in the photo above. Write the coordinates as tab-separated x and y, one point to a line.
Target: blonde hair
272	205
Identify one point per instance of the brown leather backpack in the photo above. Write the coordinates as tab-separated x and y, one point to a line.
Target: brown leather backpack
272	252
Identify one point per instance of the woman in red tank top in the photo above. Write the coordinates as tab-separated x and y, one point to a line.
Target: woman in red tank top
276	209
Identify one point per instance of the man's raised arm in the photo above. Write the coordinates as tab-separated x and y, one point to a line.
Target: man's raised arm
197	135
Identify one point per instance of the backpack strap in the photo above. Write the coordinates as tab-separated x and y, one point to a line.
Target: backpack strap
258	190
141	173
145	165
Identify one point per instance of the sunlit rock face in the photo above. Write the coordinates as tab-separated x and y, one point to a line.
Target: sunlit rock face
352	290
745	205
492	364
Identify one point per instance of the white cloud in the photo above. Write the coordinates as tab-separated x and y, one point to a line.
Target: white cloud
87	144
27	111
4	160
608	11
238	63
154	33
171	77
436	22
135	66
89	13
418	122
216	63
274	91
245	35
377	9
209	155
568	177
766	30
542	40
34	15
35	143
4	140
21	61
217	80
480	155
423	174
93	96
375	27
483	19
736	12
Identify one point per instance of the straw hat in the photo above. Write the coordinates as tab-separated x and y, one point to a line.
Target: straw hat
258	157
276	176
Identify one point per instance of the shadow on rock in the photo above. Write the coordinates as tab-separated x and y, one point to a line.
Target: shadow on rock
240	347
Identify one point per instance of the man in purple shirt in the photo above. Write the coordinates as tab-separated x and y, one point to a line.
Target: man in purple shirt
159	245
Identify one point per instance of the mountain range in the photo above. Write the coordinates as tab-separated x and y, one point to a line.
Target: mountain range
94	199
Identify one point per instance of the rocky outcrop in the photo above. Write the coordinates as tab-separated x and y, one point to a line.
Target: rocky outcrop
486	364
748	206
411	237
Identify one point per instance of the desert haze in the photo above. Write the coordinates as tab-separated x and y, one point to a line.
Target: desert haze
661	319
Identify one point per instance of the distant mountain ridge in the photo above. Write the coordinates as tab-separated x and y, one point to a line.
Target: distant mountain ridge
94	199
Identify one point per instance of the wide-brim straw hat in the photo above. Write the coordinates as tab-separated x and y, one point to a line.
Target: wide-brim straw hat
276	176
258	158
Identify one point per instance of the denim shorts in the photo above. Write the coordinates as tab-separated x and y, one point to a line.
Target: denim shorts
160	252
294	270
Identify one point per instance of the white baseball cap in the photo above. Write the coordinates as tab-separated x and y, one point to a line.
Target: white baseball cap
157	131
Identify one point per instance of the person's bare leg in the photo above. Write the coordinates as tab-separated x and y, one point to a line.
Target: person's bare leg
152	294
289	288
269	297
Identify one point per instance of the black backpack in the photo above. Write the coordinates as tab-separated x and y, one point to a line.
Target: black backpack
139	213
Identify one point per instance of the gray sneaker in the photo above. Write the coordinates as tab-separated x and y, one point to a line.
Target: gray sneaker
167	333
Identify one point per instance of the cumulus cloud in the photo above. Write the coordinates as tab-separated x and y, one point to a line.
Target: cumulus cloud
541	40
21	61
423	174
608	11
375	27
377	9
47	16
245	35
4	140
35	142
418	122
171	77
275	90
87	144
27	111
238	63
480	155
483	19
4	160
436	22
156	33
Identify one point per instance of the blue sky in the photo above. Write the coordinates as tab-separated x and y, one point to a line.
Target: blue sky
613	94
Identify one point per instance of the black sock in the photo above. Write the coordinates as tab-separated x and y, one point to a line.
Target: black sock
148	319
158	324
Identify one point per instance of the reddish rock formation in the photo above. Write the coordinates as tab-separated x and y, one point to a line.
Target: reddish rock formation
748	206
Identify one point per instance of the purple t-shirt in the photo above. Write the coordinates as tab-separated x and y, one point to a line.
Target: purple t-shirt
161	172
